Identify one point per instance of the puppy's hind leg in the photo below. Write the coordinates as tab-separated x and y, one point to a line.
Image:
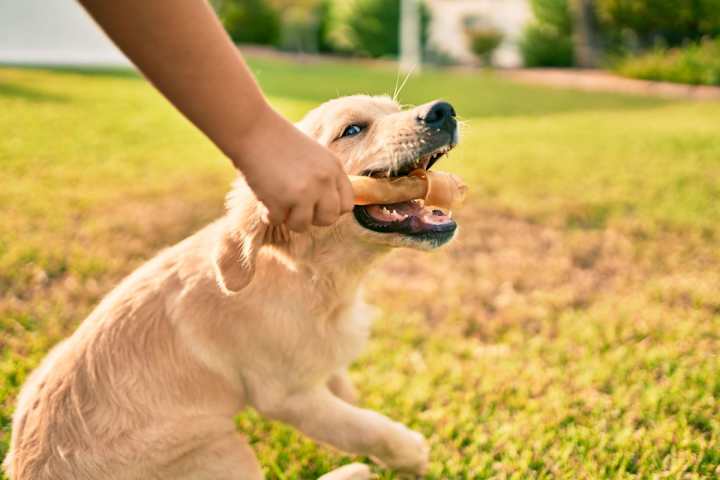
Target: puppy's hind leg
353	471
229	457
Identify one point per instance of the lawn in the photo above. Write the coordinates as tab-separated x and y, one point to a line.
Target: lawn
571	331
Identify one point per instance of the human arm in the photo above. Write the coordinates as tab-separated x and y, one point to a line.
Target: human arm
181	47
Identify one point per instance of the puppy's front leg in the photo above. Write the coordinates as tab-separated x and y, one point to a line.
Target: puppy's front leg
341	385
328	419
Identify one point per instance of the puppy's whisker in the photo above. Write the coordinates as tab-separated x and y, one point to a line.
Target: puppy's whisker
407	77
395	90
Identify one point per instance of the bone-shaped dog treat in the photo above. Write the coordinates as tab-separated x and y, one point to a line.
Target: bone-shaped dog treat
439	189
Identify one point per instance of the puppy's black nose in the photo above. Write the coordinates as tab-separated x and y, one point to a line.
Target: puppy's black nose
440	115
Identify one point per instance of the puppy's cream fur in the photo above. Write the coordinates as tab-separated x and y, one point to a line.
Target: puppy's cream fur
236	315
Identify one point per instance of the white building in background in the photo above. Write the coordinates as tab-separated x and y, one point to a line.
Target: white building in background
447	28
53	32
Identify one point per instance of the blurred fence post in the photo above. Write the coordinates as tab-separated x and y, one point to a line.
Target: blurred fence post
585	38
410	56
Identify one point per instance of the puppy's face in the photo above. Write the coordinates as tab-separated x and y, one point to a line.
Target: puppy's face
373	136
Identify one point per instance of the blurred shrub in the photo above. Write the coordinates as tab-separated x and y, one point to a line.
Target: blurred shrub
483	42
305	27
249	21
697	64
298	30
439	57
325	19
547	41
374	27
554	13
647	23
542	46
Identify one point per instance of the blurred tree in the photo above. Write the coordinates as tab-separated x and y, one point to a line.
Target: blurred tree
553	12
410	43
374	27
547	41
586	44
298	31
324	26
249	21
652	22
484	41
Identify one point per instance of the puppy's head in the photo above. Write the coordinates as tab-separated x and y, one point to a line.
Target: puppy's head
373	136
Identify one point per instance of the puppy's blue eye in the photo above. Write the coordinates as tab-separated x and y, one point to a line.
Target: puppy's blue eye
352	130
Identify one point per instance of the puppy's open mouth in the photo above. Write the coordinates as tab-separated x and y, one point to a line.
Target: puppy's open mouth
413	217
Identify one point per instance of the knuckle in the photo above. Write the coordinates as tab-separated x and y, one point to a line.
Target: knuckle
298	225
298	189
325	175
275	214
322	223
325	220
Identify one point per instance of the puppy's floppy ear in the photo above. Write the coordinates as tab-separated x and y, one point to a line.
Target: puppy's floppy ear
241	237
234	258
243	233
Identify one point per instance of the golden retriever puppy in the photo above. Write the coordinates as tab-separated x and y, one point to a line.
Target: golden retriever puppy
239	315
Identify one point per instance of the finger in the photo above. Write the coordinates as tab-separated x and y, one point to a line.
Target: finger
300	217
347	197
327	210
274	215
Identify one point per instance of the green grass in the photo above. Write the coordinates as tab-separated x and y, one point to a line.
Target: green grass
576	337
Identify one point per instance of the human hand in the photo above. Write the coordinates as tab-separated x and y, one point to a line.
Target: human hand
299	181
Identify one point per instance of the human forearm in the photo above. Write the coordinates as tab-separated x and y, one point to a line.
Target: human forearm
183	50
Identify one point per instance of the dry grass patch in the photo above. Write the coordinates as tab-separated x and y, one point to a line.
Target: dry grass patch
504	270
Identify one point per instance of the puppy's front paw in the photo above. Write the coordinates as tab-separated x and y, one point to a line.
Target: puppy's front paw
408	451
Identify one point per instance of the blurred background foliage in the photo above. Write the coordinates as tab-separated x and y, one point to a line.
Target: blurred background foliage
373	27
547	41
647	23
695	64
668	40
484	41
249	21
672	40
359	27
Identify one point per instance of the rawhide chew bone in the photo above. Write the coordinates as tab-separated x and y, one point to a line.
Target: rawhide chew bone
439	189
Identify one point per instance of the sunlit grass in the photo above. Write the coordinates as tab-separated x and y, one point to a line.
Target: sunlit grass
570	332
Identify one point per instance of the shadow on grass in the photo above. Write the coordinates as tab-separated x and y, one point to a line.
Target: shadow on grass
33	94
113	72
477	93
14	90
109	71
